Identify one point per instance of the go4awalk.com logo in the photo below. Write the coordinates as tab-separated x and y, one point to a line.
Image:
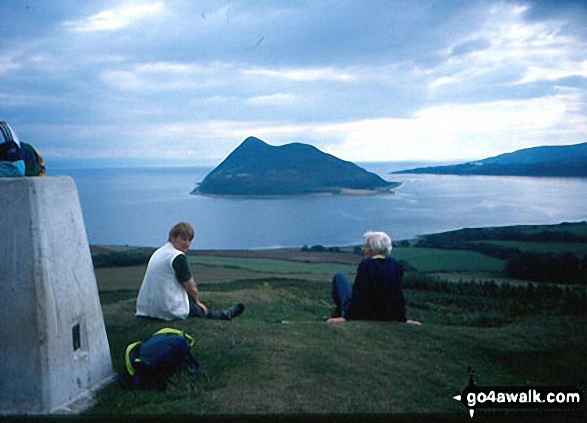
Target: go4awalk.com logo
519	398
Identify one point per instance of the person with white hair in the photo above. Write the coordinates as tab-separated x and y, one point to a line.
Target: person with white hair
377	291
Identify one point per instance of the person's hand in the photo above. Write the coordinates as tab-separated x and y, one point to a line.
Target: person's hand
336	320
413	322
203	308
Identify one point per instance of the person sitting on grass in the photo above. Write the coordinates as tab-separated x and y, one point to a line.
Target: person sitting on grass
169	290
377	291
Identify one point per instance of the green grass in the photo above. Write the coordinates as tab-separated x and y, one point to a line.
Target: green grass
115	278
439	260
423	259
251	366
271	266
308	366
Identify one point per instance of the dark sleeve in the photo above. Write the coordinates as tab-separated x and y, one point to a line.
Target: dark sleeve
402	303
358	306
182	270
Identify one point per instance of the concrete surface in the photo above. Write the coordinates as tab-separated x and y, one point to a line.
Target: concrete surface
53	342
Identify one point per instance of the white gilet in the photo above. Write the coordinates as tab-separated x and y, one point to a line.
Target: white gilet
161	295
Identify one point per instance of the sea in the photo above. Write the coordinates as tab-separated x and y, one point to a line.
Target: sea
136	206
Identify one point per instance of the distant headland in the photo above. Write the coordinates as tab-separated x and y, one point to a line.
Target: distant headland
256	168
546	161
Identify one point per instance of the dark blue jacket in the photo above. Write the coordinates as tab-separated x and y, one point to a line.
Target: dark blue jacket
377	291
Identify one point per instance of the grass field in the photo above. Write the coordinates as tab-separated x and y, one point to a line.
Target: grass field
437	260
271	266
253	367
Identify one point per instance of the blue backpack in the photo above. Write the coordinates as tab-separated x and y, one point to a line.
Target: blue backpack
149	363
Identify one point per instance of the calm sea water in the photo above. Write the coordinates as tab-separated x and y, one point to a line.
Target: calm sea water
138	206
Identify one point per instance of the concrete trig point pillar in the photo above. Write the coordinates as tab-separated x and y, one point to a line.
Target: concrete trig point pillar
53	347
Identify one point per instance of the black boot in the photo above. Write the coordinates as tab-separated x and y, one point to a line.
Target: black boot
233	311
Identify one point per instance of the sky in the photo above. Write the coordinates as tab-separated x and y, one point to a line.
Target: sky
185	81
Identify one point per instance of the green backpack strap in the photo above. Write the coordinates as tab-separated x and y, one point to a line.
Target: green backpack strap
129	362
189	338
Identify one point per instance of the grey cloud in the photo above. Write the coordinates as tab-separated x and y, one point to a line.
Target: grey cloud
282	63
470	46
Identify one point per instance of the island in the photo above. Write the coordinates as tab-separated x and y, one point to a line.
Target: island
547	161
256	168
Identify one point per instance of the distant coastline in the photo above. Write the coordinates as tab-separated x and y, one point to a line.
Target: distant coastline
563	161
547	233
335	192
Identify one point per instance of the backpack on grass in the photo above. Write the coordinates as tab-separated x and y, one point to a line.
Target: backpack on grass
149	363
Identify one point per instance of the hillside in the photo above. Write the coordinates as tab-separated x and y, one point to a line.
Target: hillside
280	361
558	161
256	168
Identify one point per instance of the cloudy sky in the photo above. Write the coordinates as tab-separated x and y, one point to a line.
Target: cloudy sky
187	81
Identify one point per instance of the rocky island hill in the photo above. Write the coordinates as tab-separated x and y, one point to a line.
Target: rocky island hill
547	161
256	168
